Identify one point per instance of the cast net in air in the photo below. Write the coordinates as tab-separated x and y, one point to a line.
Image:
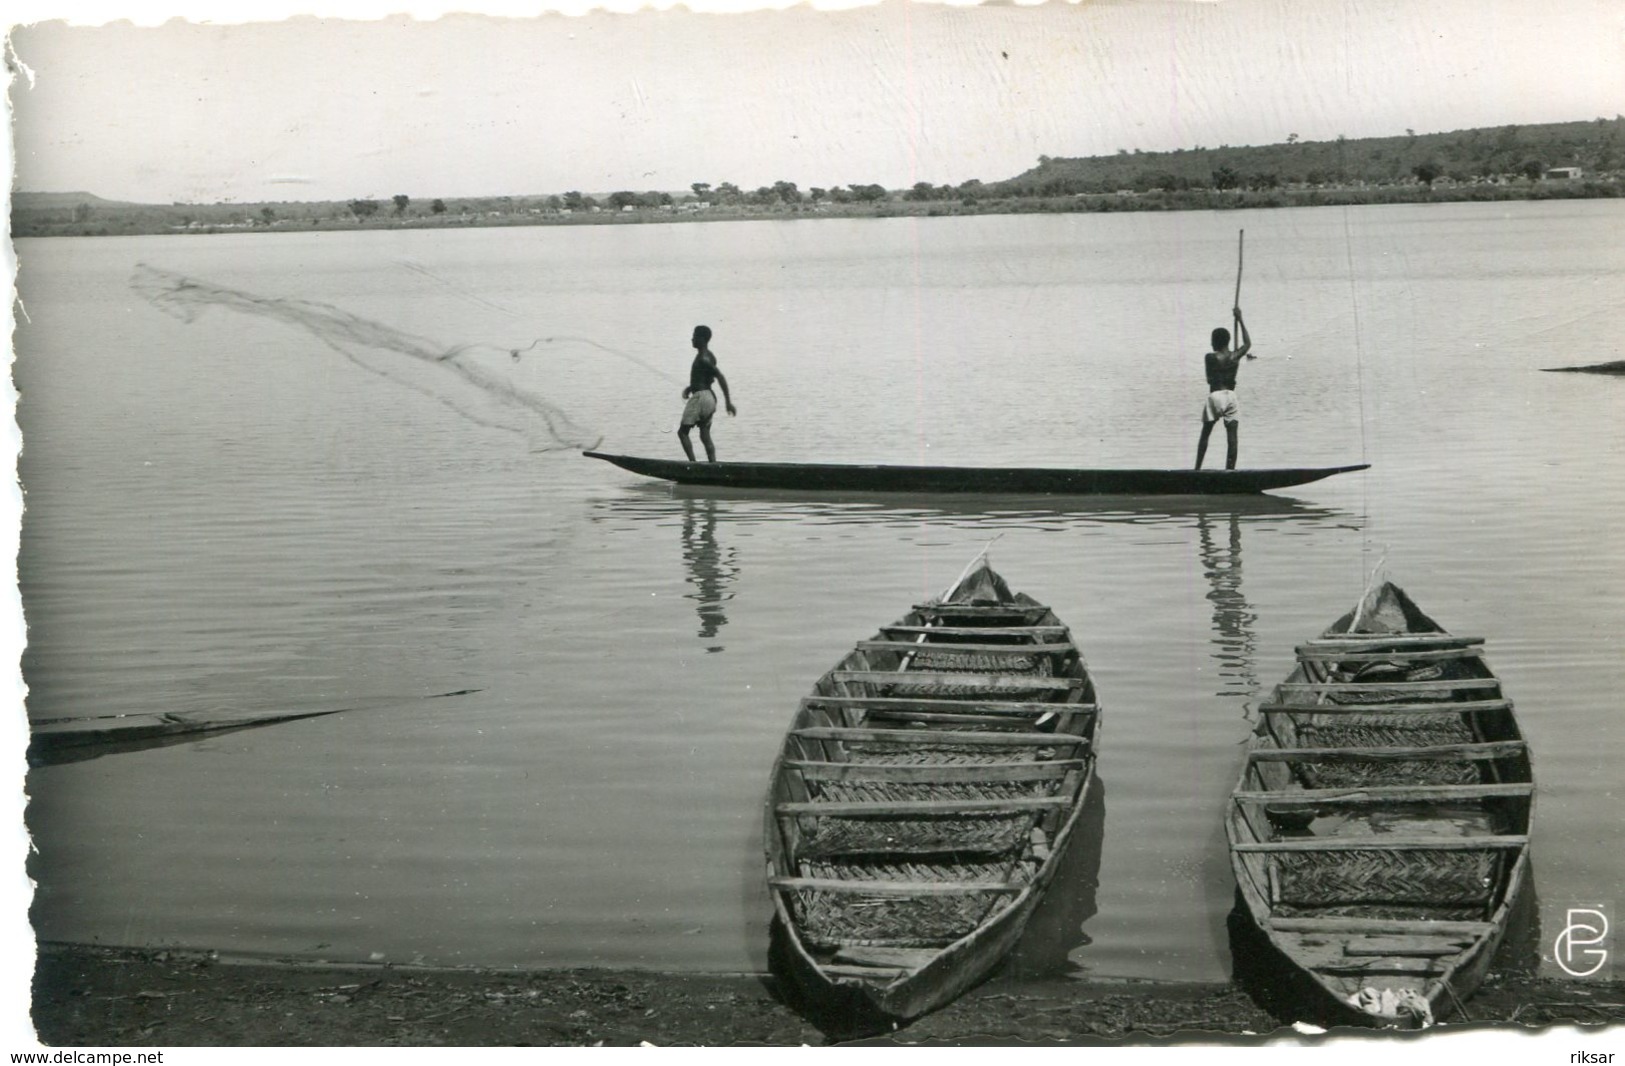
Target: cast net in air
475	380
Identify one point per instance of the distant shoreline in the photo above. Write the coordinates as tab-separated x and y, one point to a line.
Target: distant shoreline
108	220
1549	161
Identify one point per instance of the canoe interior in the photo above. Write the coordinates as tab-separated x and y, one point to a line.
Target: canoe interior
925	790
1379	830
1042	481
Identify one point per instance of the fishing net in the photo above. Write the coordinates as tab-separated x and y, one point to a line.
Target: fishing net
552	341
475	380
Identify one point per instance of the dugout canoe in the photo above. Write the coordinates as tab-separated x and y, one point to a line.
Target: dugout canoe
62	740
923	797
1042	481
1379	833
78	739
1615	367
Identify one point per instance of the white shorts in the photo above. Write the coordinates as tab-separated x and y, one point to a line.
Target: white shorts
700	407
1221	404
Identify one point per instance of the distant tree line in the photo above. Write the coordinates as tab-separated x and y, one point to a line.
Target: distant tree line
1464	156
1295	171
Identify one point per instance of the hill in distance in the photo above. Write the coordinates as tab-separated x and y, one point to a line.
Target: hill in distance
36	201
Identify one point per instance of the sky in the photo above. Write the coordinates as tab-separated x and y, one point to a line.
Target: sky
344	104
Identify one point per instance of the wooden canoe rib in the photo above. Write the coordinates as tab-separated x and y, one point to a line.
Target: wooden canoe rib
1380	830
1023	481
924	795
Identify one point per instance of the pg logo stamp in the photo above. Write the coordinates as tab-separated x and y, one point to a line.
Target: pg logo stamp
1583	946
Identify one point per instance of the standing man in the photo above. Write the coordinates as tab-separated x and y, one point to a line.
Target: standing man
1220	365
702	402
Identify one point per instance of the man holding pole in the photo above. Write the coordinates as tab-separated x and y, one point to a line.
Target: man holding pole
1220	365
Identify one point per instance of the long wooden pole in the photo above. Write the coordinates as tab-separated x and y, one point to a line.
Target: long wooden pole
1241	246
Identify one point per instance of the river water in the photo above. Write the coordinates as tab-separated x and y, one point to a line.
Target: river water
231	514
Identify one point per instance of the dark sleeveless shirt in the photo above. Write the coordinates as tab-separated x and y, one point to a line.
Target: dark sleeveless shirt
1221	373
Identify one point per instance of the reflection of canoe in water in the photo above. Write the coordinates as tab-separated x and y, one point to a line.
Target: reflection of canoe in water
923	797
1043	481
1380	831
1616	367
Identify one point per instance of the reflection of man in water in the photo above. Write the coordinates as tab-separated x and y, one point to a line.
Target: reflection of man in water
702	402
710	569
1220	365
1233	616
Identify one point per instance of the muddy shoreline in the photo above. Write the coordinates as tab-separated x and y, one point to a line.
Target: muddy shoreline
91	996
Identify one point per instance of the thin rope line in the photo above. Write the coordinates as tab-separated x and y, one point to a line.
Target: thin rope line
978	557
1460	1008
1359	376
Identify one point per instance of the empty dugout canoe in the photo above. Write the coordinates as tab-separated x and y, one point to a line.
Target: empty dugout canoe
923	797
1379	833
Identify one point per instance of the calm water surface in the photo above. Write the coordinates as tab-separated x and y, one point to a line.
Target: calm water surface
232	514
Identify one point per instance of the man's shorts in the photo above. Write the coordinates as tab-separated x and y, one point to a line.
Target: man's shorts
1219	405
700	407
